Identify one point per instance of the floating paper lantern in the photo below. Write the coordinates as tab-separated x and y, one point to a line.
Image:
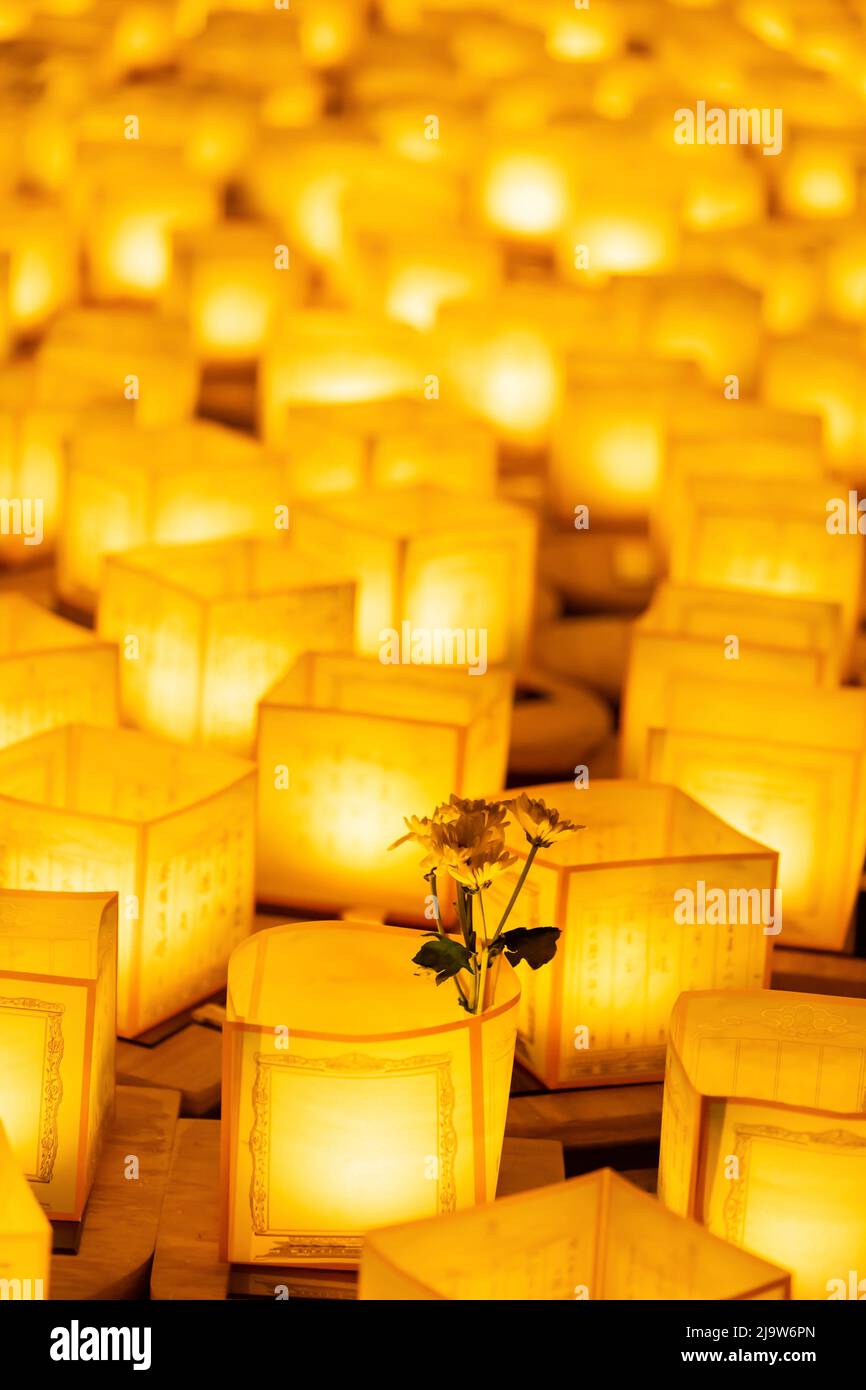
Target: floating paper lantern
525	188
821	373
345	746
818	178
711	321
130	486
171	831
25	1234
615	232
423	558
784	763
212	627
353	1094
655	896
595	1237
723	636
43	262
763	1130
125	354
417	279
58	970
52	672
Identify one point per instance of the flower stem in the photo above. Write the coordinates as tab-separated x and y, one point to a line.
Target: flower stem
517	887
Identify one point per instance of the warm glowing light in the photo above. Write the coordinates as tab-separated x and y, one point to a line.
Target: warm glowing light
87	809
58	967
818	179
750	1079
25	1234
384	1103
129	235
42	262
525	194
345	745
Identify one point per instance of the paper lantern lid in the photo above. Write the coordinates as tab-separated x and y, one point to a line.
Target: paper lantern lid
345	980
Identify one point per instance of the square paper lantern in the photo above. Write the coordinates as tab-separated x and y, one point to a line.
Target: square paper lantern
58	976
423	557
214	625
129	486
348	747
771	538
25	1234
764	1129
43	261
171	831
354	1093
51	672
655	896
725	636
595	1237
786	764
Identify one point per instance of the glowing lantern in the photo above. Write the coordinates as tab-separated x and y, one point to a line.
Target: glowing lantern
525	189
418	279
619	233
770	538
25	1234
344	448
820	373
171	831
232	289
129	487
763	1130
424	557
595	1237
327	357
342	743
43	262
710	321
724	636
58	969
655	896
329	32
352	1095
588	36
125	354
818	178
51	672
214	625
845	270
784	763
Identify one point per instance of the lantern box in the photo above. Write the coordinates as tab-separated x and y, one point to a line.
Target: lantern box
128	354
25	1235
424	557
619	231
637	896
42	261
820	372
412	277
355	1093
171	831
127	487
594	1237
58	973
214	626
768	537
51	672
726	636
400	443
711	320
763	1130
347	748
786	764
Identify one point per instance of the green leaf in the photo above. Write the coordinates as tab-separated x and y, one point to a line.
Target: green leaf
443	956
535	945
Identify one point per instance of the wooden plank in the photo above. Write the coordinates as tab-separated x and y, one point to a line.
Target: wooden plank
589	1119
528	1163
188	1062
819	972
120	1224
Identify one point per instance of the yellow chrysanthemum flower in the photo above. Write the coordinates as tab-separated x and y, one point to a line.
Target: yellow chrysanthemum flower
541	824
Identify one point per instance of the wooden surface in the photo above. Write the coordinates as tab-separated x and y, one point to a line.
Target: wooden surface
819	972
120	1224
186	1265
588	1119
188	1062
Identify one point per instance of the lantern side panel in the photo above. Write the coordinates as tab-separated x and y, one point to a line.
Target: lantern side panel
103	1041
44	689
25	1235
538	907
678	1153
105	510
372	560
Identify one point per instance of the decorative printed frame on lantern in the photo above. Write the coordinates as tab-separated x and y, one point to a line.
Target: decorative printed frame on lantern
215	625
168	829
432	559
25	1234
593	1237
58	975
345	744
129	486
786	763
723	635
763	1128
352	1094
643	898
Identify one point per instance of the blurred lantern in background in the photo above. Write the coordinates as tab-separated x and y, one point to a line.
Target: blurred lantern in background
213	626
25	1235
41	257
817	178
58	971
86	809
595	1237
346	746
784	763
821	373
763	1131
353	1093
629	895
